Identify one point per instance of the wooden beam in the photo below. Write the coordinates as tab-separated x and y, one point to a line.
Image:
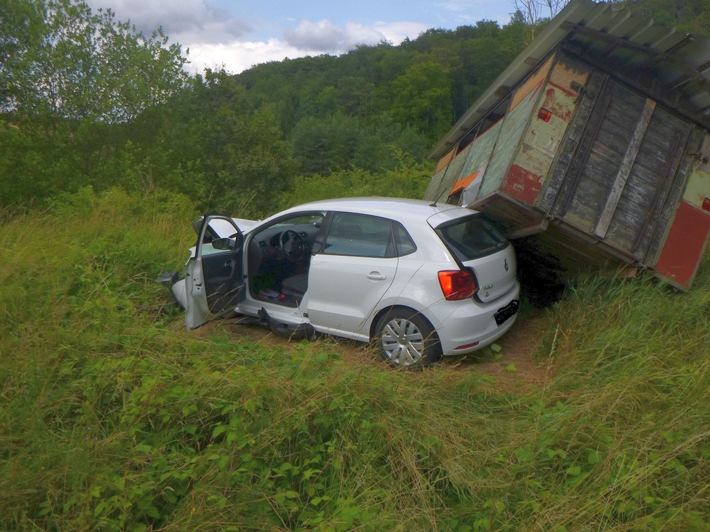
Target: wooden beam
533	229
622	175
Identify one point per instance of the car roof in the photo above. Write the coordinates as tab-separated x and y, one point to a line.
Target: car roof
402	209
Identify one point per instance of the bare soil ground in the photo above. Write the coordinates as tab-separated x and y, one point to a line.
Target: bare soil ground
513	368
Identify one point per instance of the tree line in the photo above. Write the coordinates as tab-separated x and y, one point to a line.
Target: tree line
86	100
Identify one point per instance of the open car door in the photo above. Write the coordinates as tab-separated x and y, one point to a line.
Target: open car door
214	283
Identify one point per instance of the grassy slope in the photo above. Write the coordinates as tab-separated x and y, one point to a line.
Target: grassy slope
112	415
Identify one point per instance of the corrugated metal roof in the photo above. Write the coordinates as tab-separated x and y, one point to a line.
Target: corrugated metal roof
645	54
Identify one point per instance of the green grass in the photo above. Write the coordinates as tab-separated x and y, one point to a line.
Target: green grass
112	416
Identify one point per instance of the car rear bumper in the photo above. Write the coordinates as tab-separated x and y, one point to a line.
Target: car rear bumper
472	326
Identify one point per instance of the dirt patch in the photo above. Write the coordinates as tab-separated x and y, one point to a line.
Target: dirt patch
510	363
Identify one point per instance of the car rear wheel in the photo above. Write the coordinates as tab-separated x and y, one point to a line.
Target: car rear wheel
407	339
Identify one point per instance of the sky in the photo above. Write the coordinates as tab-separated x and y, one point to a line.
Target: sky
237	34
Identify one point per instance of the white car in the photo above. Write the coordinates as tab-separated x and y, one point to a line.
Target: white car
420	279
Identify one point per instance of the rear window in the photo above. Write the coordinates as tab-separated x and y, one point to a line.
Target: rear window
471	237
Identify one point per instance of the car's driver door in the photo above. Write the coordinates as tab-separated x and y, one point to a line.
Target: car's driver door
214	282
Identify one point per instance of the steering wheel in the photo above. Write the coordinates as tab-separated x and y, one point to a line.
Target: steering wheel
292	244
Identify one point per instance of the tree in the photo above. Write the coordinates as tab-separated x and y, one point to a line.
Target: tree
61	61
685	15
212	144
535	12
66	77
422	98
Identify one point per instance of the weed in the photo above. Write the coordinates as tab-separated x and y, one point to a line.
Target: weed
112	416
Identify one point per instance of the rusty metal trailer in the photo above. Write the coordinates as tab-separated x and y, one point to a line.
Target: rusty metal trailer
597	140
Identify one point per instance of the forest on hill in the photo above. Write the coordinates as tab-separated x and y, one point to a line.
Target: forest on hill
85	100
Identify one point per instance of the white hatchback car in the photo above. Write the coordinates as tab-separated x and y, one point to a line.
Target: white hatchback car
421	279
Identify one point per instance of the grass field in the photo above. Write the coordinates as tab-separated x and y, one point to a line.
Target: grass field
112	416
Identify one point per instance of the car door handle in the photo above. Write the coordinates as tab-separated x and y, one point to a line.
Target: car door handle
376	276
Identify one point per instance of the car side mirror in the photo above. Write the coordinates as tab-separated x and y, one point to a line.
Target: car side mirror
227	244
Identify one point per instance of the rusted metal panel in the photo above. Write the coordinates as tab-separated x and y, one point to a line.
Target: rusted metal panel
523	104
477	161
531	84
445	160
506	147
523	184
473	159
439	188
435	184
684	246
545	132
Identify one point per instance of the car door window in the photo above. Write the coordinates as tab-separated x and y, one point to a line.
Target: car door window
219	236
359	235
405	244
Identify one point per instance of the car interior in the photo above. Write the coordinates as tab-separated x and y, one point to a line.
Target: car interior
279	257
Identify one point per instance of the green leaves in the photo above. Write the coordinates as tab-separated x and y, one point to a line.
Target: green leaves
64	61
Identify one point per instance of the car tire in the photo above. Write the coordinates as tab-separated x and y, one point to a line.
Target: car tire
405	338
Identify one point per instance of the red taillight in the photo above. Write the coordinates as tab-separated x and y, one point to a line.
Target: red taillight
706	204
457	284
544	114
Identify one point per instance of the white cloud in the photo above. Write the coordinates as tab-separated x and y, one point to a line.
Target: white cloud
322	35
216	38
327	37
309	38
396	32
181	20
471	11
237	56
361	34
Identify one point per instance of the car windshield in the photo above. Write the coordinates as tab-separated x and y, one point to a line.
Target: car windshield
306	219
471	237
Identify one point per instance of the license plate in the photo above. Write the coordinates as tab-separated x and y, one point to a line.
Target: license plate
507	312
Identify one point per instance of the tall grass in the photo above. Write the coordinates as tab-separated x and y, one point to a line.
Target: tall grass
113	416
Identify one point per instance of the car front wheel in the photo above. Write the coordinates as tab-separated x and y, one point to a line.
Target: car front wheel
407	339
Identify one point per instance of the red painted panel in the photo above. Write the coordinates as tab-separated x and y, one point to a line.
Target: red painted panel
684	246
558	106
523	184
